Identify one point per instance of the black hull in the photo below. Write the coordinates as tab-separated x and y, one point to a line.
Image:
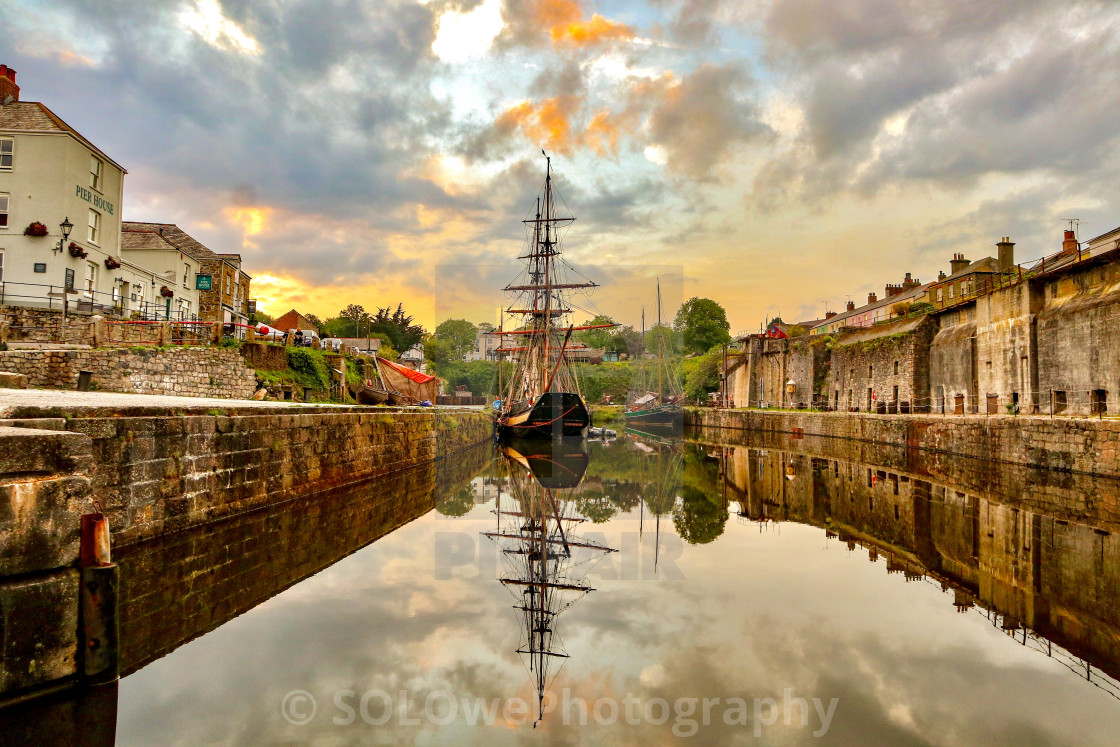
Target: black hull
553	415
661	416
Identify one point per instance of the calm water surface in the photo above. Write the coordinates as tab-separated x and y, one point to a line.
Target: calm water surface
803	588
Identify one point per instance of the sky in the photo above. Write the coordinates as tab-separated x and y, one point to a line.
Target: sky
777	156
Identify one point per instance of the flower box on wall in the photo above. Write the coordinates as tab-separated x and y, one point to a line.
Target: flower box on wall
76	250
35	229
111	263
166	292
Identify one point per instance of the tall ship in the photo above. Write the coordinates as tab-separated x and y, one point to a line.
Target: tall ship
542	398
656	401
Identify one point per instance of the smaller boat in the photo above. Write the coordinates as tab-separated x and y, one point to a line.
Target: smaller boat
396	398
660	409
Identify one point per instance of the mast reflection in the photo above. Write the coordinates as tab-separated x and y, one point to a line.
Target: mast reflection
539	550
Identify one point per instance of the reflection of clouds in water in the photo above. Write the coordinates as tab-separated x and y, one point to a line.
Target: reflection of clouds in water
754	615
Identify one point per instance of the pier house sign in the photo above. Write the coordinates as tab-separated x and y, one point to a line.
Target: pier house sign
94	199
203	282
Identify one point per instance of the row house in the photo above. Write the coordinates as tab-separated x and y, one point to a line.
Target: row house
60	224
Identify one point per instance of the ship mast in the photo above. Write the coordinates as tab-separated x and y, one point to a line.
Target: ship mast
660	335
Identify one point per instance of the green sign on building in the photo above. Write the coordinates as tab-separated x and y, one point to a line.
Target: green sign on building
202	282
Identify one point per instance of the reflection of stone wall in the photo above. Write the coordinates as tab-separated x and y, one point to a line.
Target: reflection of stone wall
1077	444
185	372
191	582
984	528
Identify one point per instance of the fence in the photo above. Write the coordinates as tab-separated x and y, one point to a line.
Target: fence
73	301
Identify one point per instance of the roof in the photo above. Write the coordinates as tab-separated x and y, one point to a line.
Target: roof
172	234
31	116
988	264
145	240
906	295
362	343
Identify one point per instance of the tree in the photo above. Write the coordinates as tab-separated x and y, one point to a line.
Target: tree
626	340
316	322
459	504
459	334
595	338
701	375
670	339
439	351
702	323
398	326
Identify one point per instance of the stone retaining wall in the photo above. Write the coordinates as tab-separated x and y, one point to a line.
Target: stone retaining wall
187	372
25	324
164	473
1068	444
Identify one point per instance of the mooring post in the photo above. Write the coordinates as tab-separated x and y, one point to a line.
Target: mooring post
100	612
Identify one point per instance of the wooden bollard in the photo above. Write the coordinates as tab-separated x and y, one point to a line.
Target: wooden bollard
100	611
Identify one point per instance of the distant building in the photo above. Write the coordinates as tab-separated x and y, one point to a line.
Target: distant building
486	345
294	320
223	287
367	345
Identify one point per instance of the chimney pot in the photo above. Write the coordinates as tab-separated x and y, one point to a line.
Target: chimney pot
1005	257
8	85
1069	244
851	305
830	314
872	298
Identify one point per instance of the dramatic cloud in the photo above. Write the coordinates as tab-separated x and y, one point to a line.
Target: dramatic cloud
349	147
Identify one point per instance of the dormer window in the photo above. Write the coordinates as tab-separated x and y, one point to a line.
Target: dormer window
95	168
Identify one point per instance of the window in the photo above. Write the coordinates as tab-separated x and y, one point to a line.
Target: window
940	295
3	211
94	227
896	392
1059	401
870	371
7	147
95	173
896	368
186	273
91	279
951	292
227	284
1	265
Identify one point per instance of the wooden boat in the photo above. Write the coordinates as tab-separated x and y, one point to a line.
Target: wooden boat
660	409
367	395
542	398
396	398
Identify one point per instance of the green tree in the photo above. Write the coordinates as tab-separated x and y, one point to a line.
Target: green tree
316	322
671	339
439	351
399	327
702	323
701	375
595	338
626	340
459	334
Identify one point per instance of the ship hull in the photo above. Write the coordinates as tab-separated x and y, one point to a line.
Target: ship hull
661	415
553	415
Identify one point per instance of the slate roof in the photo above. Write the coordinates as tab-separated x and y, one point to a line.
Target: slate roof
172	234
31	116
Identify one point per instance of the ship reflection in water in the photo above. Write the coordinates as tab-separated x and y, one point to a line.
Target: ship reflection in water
540	550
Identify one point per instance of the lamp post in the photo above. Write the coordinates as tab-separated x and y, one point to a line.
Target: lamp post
66	227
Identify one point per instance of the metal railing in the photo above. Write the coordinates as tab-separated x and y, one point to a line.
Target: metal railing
78	301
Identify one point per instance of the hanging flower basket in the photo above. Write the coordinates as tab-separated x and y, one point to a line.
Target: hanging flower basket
111	263
166	292
76	250
35	229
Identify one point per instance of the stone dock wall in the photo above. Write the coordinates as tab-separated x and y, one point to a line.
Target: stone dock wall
185	372
155	474
1084	445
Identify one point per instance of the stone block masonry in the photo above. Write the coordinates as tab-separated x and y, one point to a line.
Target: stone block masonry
1066	444
187	372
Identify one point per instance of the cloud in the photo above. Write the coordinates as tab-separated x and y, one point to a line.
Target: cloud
561	23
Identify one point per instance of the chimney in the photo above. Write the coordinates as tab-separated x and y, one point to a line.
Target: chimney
941	275
1069	245
891	290
909	282
957	263
8	85
1006	254
851	305
830	314
872	298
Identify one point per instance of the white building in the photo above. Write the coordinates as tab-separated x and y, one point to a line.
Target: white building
50	174
485	345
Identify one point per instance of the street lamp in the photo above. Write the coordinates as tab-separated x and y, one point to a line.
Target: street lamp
66	226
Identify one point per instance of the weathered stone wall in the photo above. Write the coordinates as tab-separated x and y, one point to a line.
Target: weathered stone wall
952	363
44	489
1005	349
766	367
167	472
25	324
186	372
1078	331
264	356
870	366
1070	444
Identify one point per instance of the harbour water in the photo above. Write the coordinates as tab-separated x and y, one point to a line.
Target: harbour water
777	591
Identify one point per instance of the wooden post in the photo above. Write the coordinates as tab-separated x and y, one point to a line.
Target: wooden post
164	333
99	331
215	333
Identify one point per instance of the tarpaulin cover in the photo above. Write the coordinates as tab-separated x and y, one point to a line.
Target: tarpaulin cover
411	383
